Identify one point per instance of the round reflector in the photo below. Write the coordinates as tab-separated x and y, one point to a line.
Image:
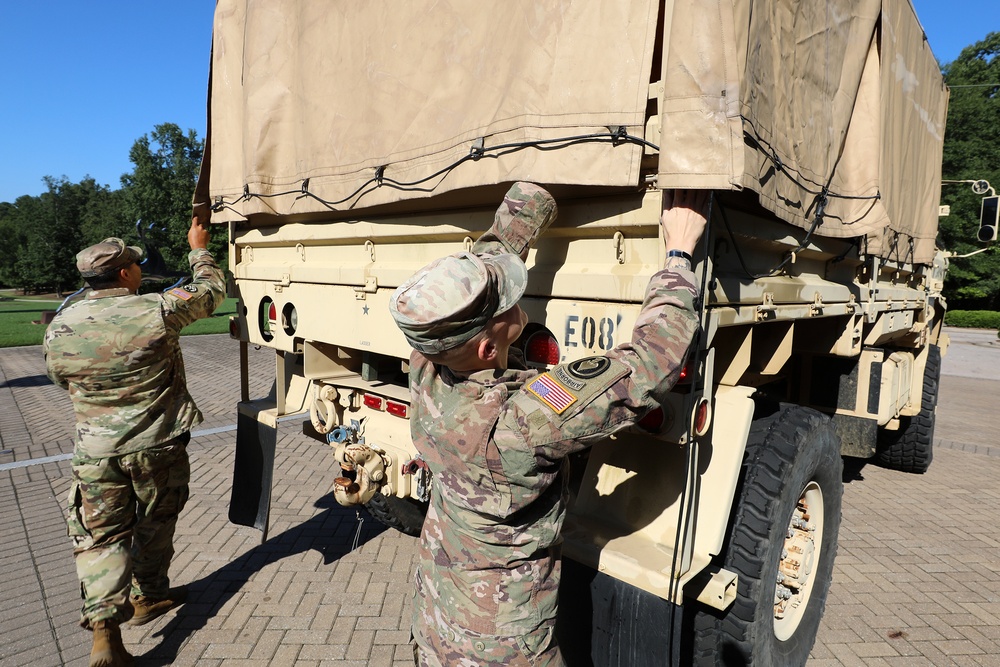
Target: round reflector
702	416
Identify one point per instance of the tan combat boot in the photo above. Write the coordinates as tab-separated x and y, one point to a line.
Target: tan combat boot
148	609
108	649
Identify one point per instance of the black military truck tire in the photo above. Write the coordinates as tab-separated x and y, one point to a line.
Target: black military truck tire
911	447
404	514
792	460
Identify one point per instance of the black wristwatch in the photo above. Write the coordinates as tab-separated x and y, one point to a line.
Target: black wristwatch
680	253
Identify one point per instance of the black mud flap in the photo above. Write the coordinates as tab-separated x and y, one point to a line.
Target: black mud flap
605	622
250	503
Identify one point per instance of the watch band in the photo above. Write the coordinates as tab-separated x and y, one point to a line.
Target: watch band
680	253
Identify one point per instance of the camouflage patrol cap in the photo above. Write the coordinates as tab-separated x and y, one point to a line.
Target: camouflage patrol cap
106	256
450	300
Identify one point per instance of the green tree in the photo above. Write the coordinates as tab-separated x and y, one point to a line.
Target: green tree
12	234
971	152
160	189
43	234
104	215
52	237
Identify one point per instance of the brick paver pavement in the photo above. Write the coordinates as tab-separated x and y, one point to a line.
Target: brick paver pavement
917	578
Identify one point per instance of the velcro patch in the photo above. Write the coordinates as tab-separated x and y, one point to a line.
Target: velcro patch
181	294
552	393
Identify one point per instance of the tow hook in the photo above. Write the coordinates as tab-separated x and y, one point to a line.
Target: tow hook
323	409
364	466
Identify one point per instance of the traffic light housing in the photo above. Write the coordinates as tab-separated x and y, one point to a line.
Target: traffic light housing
989	218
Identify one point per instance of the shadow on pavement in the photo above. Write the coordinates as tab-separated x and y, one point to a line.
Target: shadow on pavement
332	533
28	381
853	469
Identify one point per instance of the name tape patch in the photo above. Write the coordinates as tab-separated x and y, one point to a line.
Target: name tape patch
553	394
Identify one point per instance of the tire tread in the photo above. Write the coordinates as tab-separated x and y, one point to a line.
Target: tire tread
771	450
911	448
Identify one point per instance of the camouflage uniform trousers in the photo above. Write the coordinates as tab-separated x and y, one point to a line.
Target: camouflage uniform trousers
122	515
438	642
485	651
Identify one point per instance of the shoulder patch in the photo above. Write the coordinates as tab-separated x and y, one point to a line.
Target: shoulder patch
589	368
181	293
568	389
191	288
552	393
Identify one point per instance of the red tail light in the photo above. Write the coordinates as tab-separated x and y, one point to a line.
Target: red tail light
398	409
374	402
542	348
687	372
267	314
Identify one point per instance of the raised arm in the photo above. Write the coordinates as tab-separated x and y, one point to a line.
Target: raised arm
527	210
207	289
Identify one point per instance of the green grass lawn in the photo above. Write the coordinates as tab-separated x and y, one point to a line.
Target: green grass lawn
18	318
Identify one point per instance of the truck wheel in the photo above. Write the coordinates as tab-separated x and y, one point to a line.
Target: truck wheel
782	541
911	447
404	514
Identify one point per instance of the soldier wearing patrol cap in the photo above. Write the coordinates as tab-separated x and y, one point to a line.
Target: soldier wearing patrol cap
496	436
118	353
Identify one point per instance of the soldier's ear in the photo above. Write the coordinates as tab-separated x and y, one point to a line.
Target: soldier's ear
486	351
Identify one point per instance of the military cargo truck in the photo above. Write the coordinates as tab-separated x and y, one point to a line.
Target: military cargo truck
349	144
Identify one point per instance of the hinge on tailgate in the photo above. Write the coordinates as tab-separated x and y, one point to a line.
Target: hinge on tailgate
370	287
766	309
816	308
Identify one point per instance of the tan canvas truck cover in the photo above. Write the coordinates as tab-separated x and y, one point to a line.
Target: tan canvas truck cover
322	109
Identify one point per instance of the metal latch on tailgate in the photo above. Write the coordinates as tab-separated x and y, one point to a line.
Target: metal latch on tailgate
370	287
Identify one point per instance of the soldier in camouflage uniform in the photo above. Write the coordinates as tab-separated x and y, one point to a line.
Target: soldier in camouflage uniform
118	353
496	436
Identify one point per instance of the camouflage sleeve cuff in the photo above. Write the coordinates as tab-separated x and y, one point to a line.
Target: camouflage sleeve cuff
199	255
527	210
205	270
489	244
679	282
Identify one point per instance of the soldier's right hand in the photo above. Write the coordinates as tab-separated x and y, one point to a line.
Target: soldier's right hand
200	232
683	219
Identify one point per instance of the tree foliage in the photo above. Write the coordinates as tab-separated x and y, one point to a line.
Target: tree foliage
158	192
12	233
971	152
43	234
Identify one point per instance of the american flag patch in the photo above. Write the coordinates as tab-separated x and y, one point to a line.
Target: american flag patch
551	393
181	294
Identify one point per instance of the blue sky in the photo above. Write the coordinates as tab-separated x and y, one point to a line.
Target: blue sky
81	81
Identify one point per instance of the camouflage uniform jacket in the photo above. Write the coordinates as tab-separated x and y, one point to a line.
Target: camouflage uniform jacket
119	356
496	443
